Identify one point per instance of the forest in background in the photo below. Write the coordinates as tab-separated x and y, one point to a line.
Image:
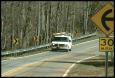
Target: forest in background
26	19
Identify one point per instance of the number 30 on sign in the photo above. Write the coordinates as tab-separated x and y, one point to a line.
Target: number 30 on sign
106	44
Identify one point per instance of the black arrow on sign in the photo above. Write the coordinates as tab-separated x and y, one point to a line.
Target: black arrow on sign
76	31
104	18
15	41
36	38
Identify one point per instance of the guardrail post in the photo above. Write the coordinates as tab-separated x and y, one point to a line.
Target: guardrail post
76	37
35	45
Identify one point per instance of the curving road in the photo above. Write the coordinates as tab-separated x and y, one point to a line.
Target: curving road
51	63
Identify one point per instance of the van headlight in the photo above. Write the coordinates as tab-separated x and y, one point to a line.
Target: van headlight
66	45
53	44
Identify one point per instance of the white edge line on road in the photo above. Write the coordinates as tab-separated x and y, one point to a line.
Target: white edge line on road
47	51
65	74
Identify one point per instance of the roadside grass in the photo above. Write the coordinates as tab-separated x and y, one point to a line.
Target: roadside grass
93	67
99	34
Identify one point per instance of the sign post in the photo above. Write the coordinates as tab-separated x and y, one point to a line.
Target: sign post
104	19
76	32
15	41
35	39
106	63
106	44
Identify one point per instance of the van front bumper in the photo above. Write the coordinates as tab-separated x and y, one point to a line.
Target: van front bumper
55	47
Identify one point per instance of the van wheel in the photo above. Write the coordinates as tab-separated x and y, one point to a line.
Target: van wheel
55	50
52	49
69	49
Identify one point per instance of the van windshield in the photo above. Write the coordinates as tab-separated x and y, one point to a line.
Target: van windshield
63	39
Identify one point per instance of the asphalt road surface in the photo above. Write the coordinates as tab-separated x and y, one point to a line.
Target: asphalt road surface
50	63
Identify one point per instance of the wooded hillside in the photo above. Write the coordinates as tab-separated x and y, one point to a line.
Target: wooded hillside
26	19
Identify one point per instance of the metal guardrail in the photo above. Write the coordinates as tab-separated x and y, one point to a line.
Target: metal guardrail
22	51
25	50
85	36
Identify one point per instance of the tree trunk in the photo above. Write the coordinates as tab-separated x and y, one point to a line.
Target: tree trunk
57	17
2	24
50	23
84	28
43	22
47	24
39	23
12	26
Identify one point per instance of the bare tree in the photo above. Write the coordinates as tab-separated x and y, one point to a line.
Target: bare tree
26	19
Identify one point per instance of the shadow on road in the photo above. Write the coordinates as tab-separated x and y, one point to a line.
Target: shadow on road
59	51
97	63
61	61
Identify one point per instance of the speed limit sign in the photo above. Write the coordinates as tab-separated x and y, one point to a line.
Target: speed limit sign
106	44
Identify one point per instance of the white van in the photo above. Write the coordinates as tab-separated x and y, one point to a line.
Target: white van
61	42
